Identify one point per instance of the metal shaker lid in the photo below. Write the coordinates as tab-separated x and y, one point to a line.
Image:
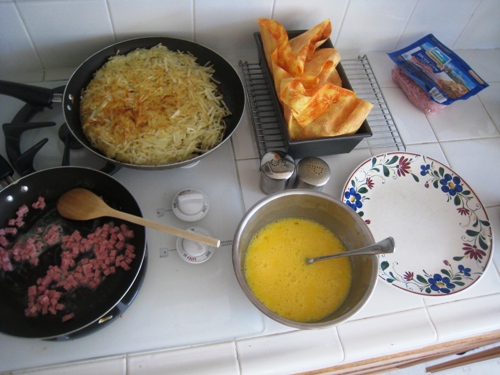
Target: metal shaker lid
313	171
277	166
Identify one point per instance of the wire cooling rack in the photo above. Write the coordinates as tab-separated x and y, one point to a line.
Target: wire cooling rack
266	121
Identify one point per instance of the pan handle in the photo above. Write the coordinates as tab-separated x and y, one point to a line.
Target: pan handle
34	95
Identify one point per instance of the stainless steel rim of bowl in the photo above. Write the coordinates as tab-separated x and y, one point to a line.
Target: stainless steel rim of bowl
269	209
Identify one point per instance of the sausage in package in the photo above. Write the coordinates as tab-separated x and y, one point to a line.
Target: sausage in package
437	70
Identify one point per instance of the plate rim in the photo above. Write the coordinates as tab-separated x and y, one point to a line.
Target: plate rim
487	259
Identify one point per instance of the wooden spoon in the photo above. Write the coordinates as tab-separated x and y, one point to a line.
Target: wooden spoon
82	204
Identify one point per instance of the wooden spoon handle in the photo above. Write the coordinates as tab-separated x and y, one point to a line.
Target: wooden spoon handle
167	228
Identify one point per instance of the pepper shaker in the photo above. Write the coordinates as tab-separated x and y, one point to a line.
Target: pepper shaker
276	169
312	173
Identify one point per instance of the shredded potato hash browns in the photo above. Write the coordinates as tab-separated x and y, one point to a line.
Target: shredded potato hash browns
153	106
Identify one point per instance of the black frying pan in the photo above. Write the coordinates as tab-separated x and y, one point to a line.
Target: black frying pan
230	86
89	306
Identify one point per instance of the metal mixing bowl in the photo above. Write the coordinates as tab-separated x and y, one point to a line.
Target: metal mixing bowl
334	215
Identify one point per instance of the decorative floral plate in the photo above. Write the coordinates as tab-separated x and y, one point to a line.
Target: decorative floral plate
442	232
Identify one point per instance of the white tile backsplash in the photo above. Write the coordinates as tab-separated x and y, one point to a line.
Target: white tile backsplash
299	15
428	16
41	36
373	25
65	33
16	46
483	29
131	18
227	25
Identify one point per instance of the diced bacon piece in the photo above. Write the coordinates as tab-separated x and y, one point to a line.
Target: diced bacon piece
32	291
3	241
31	311
19	222
46	281
103	251
92	284
87	269
34	261
11	230
23	210
42	301
5	263
67	317
65	263
53	235
39	204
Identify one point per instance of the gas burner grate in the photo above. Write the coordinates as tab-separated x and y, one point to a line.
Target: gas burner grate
23	161
266	121
13	131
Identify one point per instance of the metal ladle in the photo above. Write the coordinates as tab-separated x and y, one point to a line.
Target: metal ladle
385	246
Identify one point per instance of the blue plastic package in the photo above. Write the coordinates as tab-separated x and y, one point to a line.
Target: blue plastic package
438	70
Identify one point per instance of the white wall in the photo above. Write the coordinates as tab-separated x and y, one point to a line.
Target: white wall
41	37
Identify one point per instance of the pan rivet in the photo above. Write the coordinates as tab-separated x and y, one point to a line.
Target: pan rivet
24	188
10	198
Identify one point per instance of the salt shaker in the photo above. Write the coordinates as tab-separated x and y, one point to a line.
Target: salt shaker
276	169
312	173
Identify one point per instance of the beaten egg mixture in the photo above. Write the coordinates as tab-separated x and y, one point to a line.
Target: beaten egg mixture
276	270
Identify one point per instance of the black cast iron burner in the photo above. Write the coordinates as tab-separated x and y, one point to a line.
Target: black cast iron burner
23	162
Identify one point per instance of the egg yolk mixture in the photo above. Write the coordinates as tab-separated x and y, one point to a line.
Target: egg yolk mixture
276	271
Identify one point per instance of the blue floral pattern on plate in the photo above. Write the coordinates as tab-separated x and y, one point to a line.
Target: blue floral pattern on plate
445	270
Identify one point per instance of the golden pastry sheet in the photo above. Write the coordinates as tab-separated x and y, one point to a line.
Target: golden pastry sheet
307	83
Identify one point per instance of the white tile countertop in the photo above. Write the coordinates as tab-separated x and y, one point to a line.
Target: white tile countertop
465	137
